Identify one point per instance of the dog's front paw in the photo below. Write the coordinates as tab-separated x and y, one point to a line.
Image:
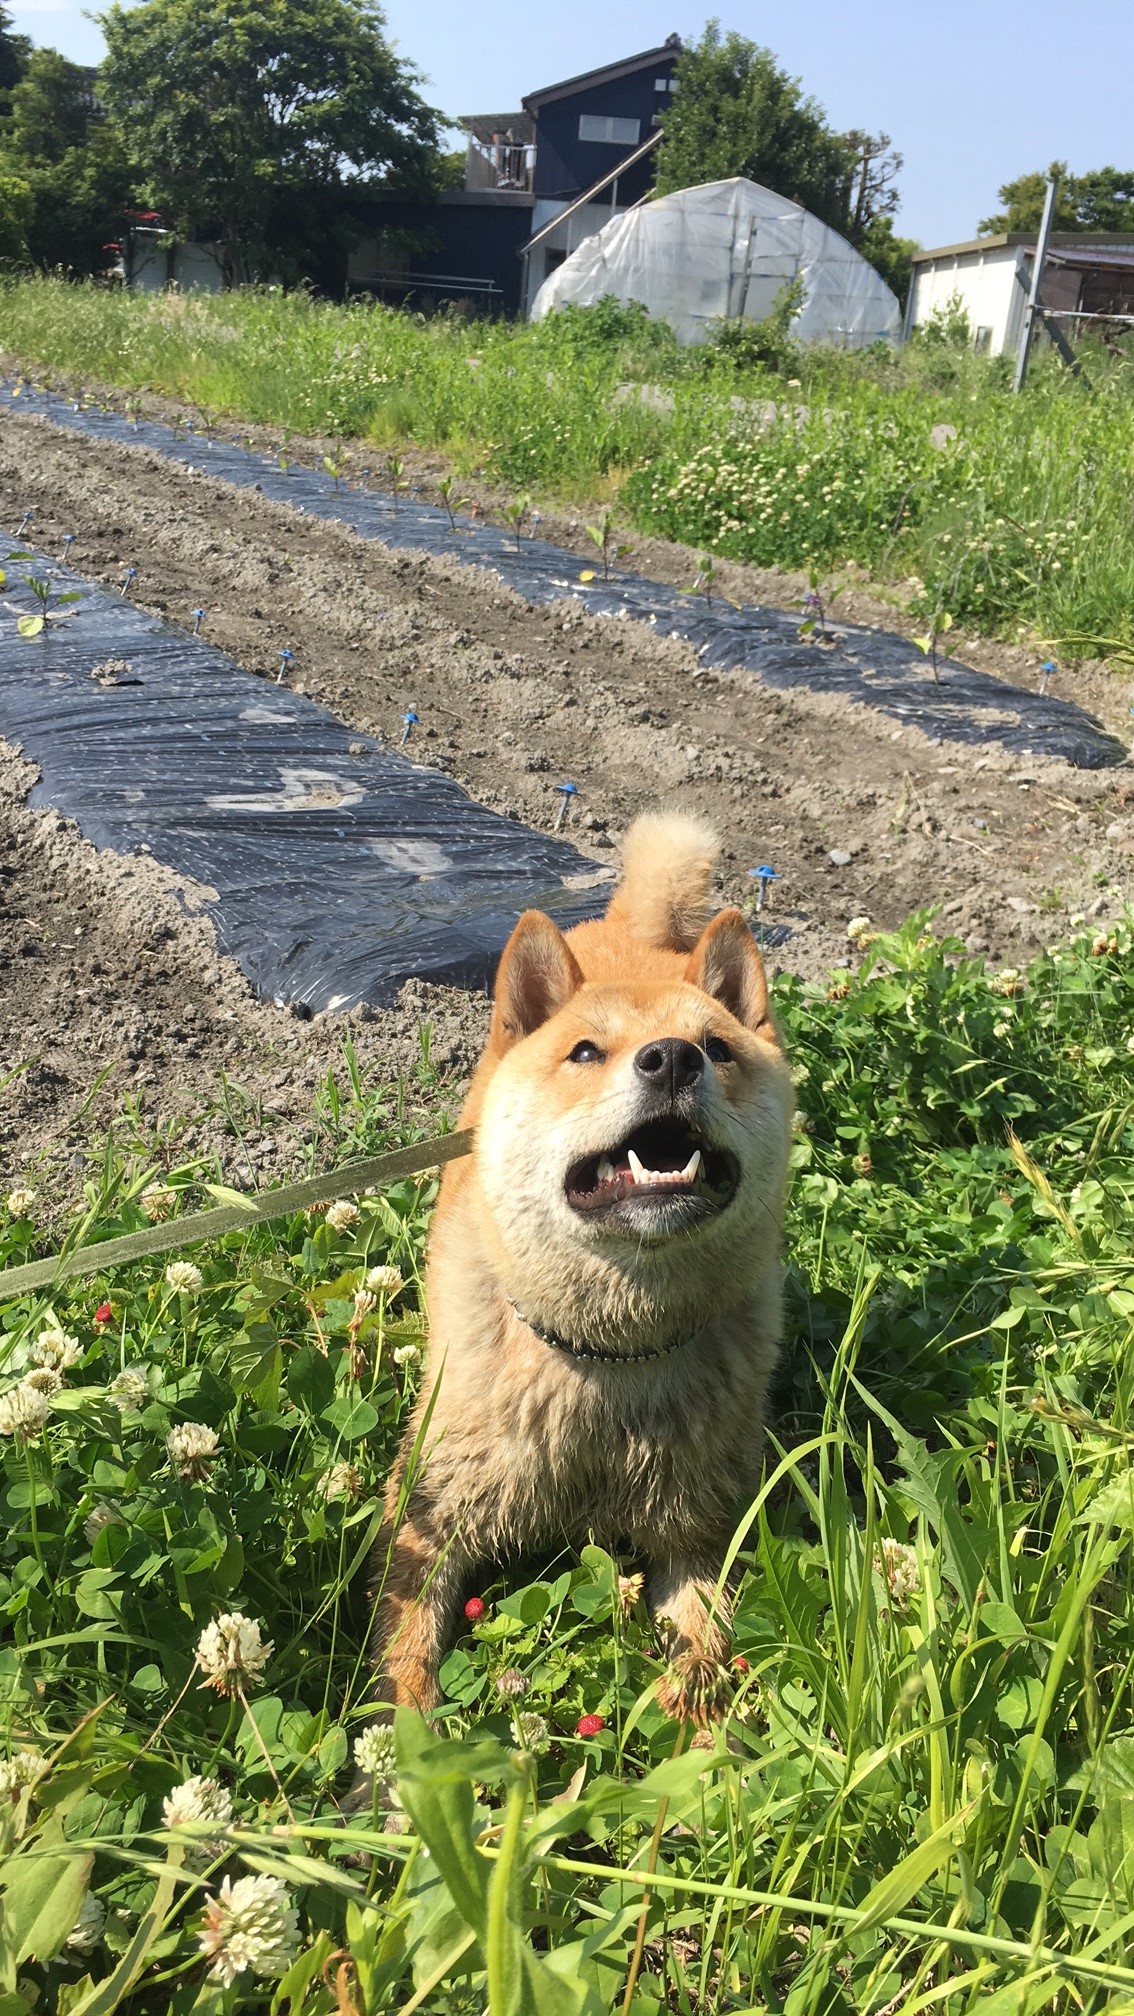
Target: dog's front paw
694	1689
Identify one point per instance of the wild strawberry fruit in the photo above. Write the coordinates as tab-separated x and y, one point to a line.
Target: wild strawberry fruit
474	1609
740	1665
104	1313
590	1725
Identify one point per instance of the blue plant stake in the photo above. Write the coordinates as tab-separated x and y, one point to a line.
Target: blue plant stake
198	616
68	542
1047	672
566	793
131	574
763	878
409	723
25	521
286	658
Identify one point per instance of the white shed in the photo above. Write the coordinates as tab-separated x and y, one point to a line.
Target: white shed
1087	271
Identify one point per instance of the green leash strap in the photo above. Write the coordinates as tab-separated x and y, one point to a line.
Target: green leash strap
202	1225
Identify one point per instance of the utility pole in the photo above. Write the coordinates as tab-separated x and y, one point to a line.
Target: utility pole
1033	312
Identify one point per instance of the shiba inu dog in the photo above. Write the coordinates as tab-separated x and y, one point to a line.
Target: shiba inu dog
603	1279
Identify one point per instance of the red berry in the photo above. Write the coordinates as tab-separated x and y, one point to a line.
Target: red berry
104	1313
740	1665
590	1725
474	1609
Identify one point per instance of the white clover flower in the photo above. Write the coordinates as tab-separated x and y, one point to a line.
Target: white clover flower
196	1800
23	1413
44	1380
342	1216
100	1516
408	1354
374	1751
54	1349
250	1926
512	1683
385	1281
158	1201
901	1568
184	1278
364	1304
20	1771
533	1733
191	1448
129	1389
232	1654
341	1480
20	1202
1008	982
630	1588
858	929
88	1927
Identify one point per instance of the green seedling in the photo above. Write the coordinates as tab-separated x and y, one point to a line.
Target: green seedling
452	503
939	624
51	603
705	582
603	536
334	469
514	516
815	605
395	471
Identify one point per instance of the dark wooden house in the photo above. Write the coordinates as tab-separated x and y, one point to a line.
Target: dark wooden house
537	182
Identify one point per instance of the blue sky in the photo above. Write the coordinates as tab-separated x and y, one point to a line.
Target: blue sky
972	91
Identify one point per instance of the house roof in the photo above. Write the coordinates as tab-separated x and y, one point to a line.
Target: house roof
608	74
1066	242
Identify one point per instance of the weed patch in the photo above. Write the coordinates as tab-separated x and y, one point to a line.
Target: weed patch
1006	512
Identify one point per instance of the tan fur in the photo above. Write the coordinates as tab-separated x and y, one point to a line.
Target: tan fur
527	1445
667	862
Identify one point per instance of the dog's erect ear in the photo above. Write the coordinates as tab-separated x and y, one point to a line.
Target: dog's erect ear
726	963
537	976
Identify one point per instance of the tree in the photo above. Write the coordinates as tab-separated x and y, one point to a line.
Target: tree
735	112
15	213
57	140
245	120
869	188
1102	200
14	53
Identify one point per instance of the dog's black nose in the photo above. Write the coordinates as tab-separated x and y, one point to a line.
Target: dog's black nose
669	1064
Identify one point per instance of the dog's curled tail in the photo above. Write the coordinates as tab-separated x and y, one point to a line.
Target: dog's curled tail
667	866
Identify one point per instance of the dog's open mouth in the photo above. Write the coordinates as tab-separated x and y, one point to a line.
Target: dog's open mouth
662	1162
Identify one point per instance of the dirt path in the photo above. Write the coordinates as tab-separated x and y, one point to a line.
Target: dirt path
513	700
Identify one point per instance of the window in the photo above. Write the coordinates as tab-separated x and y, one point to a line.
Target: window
614	132
665	83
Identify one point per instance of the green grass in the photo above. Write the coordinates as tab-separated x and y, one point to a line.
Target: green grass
1015	523
923	1797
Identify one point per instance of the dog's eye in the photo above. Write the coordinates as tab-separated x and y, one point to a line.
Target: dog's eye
587	1053
717	1050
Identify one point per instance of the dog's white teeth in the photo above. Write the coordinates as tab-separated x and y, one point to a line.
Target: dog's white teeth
663	1177
606	1170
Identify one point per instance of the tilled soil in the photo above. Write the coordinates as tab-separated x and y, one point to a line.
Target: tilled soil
513	700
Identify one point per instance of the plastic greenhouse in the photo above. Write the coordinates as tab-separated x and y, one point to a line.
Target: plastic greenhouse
725	249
